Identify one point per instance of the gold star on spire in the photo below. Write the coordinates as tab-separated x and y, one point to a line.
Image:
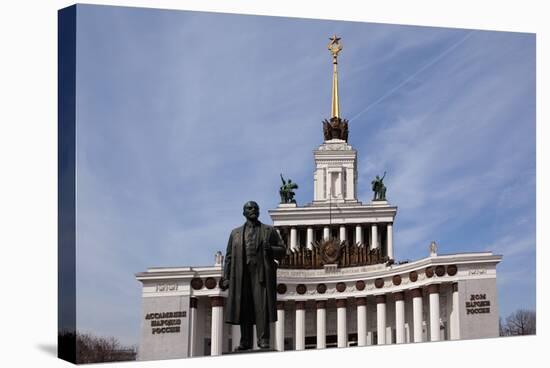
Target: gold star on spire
334	47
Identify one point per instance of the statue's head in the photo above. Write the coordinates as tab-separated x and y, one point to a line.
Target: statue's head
377	177
251	211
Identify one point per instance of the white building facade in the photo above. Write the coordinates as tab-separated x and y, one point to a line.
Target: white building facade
338	286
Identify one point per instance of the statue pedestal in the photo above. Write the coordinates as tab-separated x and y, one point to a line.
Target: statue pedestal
251	351
287	205
379	203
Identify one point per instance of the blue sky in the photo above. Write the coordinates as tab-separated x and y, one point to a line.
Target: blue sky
184	116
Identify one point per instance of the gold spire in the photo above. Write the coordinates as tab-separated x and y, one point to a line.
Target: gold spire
335	47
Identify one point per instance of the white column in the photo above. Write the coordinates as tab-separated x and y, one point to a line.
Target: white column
389	336
390	240
342	233
235	336
454	317
321	185
192	326
358	234
321	324
280	327
433	290
216	338
309	238
326	232
342	333
318	185
361	321
381	319
300	325
399	318
293	238
374	237
350	181
417	314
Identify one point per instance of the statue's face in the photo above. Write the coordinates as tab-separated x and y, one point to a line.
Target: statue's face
251	211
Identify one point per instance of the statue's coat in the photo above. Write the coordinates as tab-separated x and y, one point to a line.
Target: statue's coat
233	270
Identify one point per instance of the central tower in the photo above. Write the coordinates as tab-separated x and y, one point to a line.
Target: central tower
362	233
335	174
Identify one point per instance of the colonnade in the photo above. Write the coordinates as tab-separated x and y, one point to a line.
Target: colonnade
374	243
382	330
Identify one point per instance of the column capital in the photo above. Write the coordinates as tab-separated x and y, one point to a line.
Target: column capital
416	293
398	296
193	302
455	286
361	300
341	303
217	301
320	304
280	304
433	288
300	304
380	299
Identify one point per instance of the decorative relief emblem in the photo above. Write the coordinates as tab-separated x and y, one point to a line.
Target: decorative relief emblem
452	270
429	271
413	276
330	251
360	285
379	283
440	271
396	280
210	283
281	288
321	288
197	283
340	286
167	287
301	289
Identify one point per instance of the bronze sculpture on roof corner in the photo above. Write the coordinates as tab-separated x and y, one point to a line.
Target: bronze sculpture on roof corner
287	191
379	188
250	273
